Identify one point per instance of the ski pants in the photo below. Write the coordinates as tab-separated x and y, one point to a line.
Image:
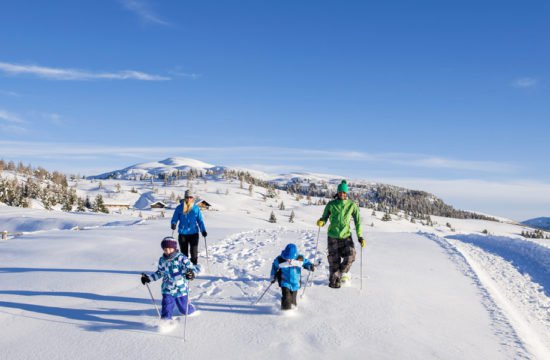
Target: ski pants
288	299
190	242
341	254
168	303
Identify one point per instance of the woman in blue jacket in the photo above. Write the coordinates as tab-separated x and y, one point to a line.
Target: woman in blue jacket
287	270
189	216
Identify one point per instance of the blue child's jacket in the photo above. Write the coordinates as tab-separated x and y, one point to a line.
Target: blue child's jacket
288	271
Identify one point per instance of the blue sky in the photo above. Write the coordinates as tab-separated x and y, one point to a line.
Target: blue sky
446	96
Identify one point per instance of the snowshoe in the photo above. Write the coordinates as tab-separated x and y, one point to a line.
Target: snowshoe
167	325
346	279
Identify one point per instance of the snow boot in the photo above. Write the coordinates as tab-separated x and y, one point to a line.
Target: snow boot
334	280
346	278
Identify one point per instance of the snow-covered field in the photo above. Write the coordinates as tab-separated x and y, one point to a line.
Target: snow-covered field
428	292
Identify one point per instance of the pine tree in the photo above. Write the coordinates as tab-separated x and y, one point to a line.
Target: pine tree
291	218
282	206
99	205
272	218
386	217
80	205
88	203
67	206
250	190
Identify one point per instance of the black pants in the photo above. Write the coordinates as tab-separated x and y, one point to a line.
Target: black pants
341	254
288	299
190	241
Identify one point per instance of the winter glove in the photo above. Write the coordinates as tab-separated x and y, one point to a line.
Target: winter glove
204	233
312	267
273	280
362	241
190	275
145	279
173	226
320	223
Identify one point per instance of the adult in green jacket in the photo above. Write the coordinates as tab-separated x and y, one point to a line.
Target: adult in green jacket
341	251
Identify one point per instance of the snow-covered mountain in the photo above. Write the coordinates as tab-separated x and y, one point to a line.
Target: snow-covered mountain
169	166
539	223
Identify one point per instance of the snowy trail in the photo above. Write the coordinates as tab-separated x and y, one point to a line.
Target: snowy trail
417	304
516	275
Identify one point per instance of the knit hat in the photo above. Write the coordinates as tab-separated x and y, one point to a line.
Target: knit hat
188	193
343	187
290	252
169	242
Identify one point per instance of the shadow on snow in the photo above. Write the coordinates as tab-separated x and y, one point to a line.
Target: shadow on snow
24	270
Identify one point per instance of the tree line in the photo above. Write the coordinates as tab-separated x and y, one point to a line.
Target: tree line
50	188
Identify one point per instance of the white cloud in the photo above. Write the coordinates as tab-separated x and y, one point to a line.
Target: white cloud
525	82
75	74
12	129
9	93
144	11
268	155
192	76
54	118
10	117
444	163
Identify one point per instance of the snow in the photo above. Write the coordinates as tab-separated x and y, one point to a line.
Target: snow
428	292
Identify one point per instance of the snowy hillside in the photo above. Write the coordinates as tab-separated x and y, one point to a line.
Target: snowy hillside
539	223
148	169
460	289
384	197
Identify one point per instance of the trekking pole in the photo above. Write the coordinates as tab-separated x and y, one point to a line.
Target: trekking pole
206	248
153	299
361	287
186	312
314	256
260	298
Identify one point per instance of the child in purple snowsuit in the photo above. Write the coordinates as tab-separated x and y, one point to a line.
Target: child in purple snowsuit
176	271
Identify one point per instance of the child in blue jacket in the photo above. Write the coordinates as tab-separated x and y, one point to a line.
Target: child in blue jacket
176	271
287	270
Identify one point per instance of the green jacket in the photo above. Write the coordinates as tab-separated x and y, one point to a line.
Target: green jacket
339	212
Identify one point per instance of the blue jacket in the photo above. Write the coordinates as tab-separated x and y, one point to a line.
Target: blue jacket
191	222
172	270
288	272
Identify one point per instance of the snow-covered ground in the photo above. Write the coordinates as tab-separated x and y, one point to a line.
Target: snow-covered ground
428	292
